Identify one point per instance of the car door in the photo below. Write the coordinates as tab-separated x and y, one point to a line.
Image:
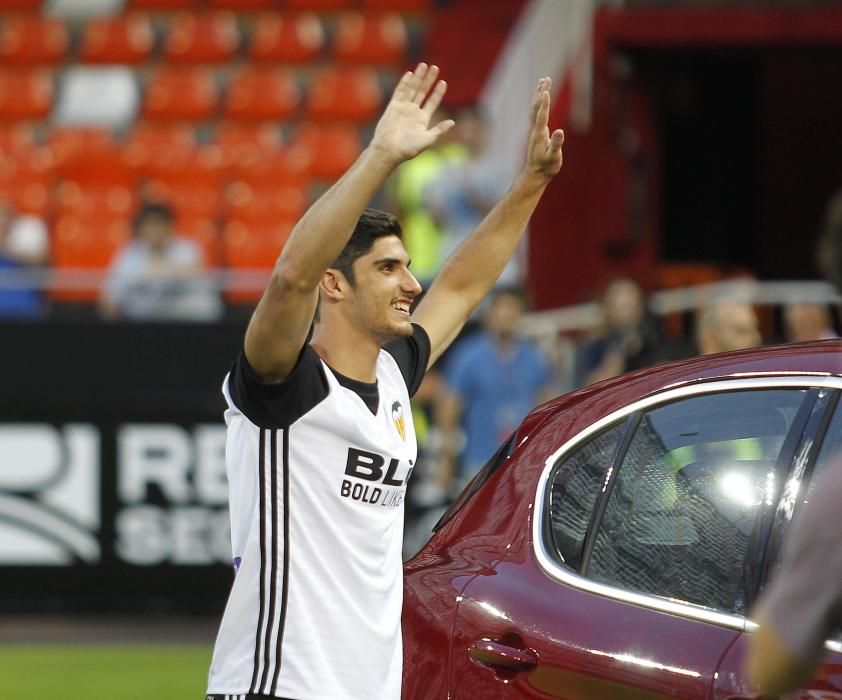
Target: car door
820	449
630	580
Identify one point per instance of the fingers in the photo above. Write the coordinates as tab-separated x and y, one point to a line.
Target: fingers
556	141
542	115
442	128
404	87
435	98
544	85
414	86
426	80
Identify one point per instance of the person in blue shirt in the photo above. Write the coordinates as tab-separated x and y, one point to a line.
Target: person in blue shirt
24	250
493	378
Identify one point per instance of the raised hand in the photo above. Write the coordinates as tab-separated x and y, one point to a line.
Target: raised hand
404	129
543	155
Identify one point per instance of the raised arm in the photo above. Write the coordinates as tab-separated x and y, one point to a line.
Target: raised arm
278	329
472	270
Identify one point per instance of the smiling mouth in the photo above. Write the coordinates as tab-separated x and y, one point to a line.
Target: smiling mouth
401	307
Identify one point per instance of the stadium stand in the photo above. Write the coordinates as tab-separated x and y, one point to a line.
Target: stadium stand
25	93
201	38
290	39
236	112
127	40
33	39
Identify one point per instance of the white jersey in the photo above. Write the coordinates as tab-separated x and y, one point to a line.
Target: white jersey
317	469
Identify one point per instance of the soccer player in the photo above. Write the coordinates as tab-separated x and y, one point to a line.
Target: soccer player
320	438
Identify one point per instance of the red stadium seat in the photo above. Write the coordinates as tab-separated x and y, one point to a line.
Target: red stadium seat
254	202
200	166
164	5
326	152
191	182
85	244
245	5
100	200
210	37
203	231
186	199
397	5
273	168
287	39
262	94
17	137
348	93
253	247
128	39
25	94
148	140
181	94
33	39
374	39
20	5
68	143
320	5
90	157
244	144
26	181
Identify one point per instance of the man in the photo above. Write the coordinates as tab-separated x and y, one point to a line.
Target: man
24	248
804	322
802	605
320	445
159	275
493	379
726	326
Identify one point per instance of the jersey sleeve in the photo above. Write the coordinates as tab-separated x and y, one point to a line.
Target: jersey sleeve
276	406
412	355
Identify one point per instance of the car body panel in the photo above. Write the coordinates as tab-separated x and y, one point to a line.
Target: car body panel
480	577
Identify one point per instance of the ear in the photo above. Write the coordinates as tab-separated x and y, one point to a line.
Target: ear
333	285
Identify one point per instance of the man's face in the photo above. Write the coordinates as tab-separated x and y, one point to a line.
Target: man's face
504	315
155	231
737	328
383	290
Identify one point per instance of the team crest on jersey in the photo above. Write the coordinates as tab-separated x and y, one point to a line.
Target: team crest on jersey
398	419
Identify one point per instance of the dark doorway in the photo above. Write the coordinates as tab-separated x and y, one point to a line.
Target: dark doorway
751	150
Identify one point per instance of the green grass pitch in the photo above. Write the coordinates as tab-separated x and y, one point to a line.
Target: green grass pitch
117	672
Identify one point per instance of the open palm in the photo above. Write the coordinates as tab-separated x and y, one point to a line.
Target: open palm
404	130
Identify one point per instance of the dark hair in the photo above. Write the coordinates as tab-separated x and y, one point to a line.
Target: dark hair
372	224
152	210
509	291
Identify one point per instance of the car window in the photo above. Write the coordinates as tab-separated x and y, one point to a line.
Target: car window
831	449
575	484
681	507
830	456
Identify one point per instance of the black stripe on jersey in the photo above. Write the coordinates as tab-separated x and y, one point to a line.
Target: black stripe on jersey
261	486
285	576
273	584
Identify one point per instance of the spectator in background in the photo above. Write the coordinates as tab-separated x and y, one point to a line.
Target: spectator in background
629	336
804	322
493	379
726	326
466	190
422	233
24	249
158	275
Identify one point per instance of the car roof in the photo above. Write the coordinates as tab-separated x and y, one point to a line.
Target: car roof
820	358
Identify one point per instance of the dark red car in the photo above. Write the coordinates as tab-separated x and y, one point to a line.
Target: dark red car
615	544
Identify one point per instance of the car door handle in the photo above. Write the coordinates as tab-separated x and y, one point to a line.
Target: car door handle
493	653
